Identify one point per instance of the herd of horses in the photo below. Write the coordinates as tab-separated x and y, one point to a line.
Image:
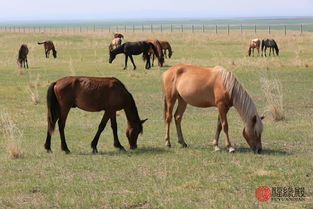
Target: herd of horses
182	83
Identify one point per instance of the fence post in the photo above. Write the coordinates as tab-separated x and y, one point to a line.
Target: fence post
161	28
241	28
301	29
254	28
192	27
151	27
133	28
182	28
142	29
171	28
202	27
228	29
269	29
125	28
215	29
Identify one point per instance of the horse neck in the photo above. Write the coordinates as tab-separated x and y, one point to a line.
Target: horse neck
118	50
131	111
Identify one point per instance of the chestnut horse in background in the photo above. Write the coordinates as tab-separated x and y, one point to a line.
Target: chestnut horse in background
159	51
22	56
166	47
207	87
48	45
118	35
92	94
116	42
254	43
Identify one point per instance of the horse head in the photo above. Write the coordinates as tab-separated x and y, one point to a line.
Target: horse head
132	132
252	133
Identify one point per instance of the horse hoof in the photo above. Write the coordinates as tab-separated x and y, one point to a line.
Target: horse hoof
94	151
49	151
67	152
168	144
216	148
184	145
231	150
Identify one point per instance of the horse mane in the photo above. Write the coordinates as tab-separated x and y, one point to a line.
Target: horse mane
240	99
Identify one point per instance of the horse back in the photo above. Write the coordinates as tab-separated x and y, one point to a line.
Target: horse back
91	93
198	86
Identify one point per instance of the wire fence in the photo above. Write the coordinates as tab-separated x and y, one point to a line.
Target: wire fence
213	28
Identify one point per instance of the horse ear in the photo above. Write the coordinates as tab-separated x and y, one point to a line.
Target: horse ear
142	121
262	117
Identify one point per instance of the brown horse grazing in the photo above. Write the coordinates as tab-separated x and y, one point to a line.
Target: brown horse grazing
207	87
166	47
116	42
48	45
254	43
92	94
22	56
118	35
159	55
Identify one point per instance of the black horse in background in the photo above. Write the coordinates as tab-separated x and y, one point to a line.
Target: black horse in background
22	56
133	48
271	43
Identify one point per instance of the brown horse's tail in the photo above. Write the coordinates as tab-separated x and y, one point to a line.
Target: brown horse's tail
53	108
40	43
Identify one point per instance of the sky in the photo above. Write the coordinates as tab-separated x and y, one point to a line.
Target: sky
38	10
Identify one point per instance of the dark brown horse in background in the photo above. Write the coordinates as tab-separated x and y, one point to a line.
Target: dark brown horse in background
48	45
166	47
118	35
92	94
271	43
159	54
254	43
22	56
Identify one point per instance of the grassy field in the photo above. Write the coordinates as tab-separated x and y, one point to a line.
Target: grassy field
153	176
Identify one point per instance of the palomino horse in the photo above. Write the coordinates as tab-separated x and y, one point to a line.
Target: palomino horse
22	56
133	48
48	45
207	87
271	43
116	42
92	94
254	43
159	54
166	47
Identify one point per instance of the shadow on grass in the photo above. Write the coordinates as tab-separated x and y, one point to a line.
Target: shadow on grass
139	151
264	152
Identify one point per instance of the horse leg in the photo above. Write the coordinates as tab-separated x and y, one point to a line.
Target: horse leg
126	57
148	63
217	134
169	103
132	60
101	127
222	113
117	143
46	52
26	63
48	139
165	55
61	123
181	107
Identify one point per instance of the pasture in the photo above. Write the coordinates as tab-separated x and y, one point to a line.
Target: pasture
153	176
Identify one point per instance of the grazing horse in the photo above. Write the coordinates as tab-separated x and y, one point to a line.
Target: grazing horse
118	35
116	42
133	48
92	94
22	56
207	87
159	54
254	43
166	47
271	43
48	45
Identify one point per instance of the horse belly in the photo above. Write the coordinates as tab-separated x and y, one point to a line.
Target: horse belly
197	97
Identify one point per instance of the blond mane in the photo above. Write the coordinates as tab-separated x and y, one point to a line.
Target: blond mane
240	99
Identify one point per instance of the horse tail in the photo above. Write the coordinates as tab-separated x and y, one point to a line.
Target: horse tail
276	48
40	43
170	52
53	107
249	51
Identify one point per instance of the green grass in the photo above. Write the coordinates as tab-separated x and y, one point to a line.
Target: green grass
154	176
